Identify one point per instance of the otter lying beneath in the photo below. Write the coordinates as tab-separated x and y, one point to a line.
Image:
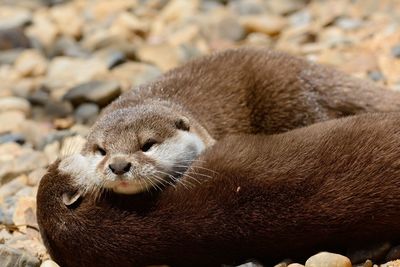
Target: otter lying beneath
150	135
323	187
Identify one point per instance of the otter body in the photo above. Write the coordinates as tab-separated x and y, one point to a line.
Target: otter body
150	135
328	186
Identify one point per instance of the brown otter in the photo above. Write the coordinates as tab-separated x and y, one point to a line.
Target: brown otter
151	134
323	187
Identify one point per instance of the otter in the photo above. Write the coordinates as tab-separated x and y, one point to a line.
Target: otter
150	135
327	186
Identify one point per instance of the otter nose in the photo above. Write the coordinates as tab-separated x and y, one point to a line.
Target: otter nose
120	167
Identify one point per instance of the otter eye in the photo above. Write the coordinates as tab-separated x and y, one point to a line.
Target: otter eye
101	151
148	144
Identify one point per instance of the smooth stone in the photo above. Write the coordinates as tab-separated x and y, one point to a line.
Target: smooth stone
395	263
43	31
99	92
326	259
57	109
24	203
11	257
230	29
12	137
111	57
15	104
38	97
163	56
132	74
67	46
374	252
393	254
13	38
10	121
270	25
64	72
376	75
396	51
247	7
67	20
55	136
295	265
35	176
52	151
49	263
284	7
87	113
31	63
348	23
12	17
9	56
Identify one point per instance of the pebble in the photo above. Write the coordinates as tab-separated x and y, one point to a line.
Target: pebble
12	137
86	113
99	92
12	17
269	25
163	56
31	63
11	120
65	72
326	259
396	51
15	104
132	74
13	38
12	257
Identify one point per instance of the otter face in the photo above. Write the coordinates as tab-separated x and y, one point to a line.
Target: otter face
132	150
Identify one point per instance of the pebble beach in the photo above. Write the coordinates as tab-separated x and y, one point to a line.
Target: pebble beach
61	62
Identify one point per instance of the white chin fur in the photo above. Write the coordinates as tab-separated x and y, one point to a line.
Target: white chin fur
82	169
177	151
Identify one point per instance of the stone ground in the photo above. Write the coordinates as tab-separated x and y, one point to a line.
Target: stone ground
62	61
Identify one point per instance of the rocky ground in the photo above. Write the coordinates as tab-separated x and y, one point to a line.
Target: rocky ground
62	61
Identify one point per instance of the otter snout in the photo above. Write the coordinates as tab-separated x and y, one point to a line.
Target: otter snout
120	166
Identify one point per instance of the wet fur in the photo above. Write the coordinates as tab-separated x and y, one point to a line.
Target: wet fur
324	187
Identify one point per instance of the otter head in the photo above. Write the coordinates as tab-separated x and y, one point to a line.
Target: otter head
132	150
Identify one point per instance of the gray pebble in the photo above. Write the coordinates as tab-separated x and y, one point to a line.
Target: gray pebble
86	113
396	51
375	75
12	137
99	92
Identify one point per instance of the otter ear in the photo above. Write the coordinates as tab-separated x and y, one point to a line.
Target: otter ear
182	124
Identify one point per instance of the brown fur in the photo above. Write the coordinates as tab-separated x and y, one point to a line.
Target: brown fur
327	186
252	90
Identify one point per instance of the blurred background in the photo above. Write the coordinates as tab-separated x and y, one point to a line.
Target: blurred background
62	61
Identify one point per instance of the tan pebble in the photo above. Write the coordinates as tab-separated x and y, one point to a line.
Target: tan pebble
395	263
326	259
49	263
270	25
79	71
63	123
62	15
295	265
12	103
164	56
52	151
22	207
35	176
10	121
43	28
31	63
